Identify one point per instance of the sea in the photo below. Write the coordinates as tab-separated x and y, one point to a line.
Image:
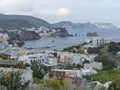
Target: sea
59	43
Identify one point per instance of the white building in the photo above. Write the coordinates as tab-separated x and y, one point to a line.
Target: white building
3	45
15	52
71	73
70	58
46	58
93	65
52	61
40	58
88	71
96	41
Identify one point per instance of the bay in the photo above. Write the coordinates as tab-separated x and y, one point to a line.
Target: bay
59	43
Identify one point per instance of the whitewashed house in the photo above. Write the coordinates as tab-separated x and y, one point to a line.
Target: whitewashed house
40	58
93	65
47	59
52	61
15	52
70	58
97	41
88	71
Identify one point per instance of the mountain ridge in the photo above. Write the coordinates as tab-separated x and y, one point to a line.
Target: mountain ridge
69	24
37	22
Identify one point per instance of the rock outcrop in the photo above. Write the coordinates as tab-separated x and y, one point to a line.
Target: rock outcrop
28	35
61	32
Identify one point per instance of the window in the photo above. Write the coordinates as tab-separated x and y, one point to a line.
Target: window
42	60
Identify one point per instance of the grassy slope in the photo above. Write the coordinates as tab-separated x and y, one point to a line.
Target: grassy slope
104	76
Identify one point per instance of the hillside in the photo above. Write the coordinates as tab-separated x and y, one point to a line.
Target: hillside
15	24
36	22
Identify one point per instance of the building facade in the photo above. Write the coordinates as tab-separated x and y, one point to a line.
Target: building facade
97	41
39	58
93	65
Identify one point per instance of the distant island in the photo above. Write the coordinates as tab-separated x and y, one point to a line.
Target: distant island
69	24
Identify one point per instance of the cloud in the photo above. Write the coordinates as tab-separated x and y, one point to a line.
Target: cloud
111	3
45	12
15	6
57	12
98	3
63	12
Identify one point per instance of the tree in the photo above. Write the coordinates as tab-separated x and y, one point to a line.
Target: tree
95	50
106	61
115	84
54	84
55	54
36	68
12	81
38	81
86	61
27	64
39	70
4	56
114	47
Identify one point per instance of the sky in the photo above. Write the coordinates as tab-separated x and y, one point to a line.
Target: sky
65	10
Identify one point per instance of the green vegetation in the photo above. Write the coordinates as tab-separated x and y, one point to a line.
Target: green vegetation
114	47
86	61
12	81
94	50
107	75
39	70
68	48
56	84
4	56
20	66
38	81
115	84
27	65
55	54
107	62
110	60
74	49
78	66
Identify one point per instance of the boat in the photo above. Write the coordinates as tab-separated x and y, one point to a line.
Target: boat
53	41
92	34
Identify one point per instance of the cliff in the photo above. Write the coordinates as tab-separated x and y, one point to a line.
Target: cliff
61	32
28	35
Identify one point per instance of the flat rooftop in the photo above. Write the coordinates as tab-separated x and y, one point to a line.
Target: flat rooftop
9	62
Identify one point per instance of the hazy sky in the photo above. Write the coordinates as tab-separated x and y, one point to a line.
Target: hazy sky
59	10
